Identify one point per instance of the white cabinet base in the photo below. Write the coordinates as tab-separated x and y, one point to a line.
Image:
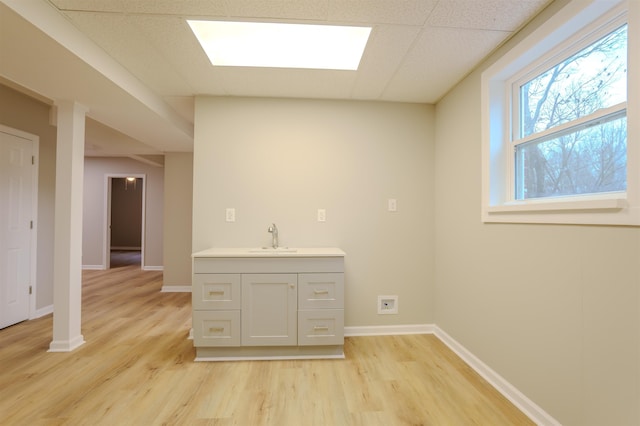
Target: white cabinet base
280	305
269	353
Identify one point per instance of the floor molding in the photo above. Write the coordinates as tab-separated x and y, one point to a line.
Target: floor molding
93	267
43	311
517	398
153	268
176	289
66	345
385	330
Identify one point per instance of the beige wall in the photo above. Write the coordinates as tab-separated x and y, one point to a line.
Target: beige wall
24	113
178	200
277	160
93	242
554	309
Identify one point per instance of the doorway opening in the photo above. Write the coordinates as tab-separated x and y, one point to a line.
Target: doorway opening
124	230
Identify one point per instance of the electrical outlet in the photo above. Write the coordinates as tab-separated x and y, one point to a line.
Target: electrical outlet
322	215
231	215
392	205
387	305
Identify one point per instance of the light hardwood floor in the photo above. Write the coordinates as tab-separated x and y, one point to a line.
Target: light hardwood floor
137	368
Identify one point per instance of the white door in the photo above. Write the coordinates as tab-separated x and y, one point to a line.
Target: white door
16	175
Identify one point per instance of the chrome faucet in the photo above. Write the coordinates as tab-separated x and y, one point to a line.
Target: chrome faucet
273	229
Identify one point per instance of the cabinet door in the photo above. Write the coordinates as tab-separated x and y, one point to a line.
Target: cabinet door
269	309
216	291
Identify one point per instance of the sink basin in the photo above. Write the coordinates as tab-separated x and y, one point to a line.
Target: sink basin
273	250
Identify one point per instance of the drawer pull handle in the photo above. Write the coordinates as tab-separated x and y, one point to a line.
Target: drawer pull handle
216	292
216	329
320	291
320	328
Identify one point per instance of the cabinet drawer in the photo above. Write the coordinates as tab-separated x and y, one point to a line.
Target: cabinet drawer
321	327
321	291
216	291
216	328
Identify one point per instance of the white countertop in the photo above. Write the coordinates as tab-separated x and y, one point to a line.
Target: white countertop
270	252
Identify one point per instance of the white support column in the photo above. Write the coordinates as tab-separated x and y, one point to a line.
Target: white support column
67	259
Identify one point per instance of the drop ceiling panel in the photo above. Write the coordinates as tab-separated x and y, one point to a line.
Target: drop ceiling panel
385	51
277	82
177	7
406	12
438	60
181	54
153	7
279	9
501	15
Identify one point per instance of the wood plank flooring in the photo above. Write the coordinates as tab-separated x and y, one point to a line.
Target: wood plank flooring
137	368
120	258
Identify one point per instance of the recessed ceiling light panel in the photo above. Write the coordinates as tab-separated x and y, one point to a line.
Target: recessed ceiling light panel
259	44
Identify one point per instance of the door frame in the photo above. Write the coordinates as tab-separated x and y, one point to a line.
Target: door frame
108	180
33	250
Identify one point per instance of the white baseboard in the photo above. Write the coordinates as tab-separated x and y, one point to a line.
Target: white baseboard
66	345
153	268
517	398
43	311
386	330
93	267
102	268
176	289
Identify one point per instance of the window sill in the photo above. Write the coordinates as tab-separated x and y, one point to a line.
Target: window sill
605	210
617	203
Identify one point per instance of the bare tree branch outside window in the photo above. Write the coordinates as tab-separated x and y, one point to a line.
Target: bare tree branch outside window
590	158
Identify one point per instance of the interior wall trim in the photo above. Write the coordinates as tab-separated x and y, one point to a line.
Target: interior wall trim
66	345
43	311
176	289
93	267
153	268
386	330
517	398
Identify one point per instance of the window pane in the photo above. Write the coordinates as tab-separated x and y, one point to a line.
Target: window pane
593	78
589	160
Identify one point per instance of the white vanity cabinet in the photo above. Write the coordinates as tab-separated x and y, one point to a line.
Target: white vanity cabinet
268	304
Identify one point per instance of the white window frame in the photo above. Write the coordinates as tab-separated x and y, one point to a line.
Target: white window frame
570	24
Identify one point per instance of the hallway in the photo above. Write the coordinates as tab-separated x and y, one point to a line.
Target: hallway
121	258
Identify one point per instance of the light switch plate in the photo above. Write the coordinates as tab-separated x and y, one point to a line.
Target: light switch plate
322	215
392	204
